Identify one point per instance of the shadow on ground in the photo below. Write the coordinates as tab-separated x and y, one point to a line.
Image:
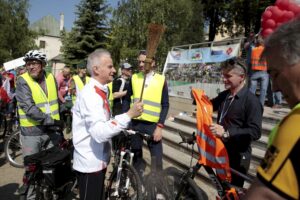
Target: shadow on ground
7	191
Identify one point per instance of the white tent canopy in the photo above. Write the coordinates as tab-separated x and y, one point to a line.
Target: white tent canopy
13	64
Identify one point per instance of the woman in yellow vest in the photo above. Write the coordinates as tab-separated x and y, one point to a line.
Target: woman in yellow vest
37	98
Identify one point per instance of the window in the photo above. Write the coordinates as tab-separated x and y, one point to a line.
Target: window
42	44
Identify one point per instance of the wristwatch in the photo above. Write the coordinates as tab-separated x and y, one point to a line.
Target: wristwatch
225	135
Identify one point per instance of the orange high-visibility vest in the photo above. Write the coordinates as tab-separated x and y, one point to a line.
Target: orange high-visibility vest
258	63
211	149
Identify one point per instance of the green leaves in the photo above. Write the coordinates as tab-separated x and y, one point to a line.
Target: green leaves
15	37
88	33
182	18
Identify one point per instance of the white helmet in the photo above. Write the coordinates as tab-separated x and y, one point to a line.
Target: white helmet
35	55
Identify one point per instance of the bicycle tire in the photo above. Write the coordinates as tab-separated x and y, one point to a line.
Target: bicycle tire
156	183
189	191
13	150
134	191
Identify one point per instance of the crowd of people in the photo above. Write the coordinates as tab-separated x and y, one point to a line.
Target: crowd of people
140	102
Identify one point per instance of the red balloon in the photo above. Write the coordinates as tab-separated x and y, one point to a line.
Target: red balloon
282	4
287	16
294	8
279	24
270	23
266	32
276	13
266	15
268	8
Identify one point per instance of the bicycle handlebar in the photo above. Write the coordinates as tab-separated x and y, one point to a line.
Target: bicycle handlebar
145	136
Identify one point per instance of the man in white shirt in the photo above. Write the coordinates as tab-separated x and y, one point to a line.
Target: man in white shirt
93	126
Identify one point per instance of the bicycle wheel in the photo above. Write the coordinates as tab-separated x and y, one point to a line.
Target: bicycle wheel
156	186
180	191
130	187
13	150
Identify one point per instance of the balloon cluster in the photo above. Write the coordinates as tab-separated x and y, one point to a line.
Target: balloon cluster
281	12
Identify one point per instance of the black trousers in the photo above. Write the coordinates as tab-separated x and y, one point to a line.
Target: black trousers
241	163
155	148
91	185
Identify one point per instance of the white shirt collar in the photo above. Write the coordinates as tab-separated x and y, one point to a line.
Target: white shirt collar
99	85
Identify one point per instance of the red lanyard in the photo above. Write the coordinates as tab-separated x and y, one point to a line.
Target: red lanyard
103	96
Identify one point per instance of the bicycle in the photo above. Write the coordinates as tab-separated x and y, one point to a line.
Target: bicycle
50	173
155	184
187	188
13	149
124	181
8	125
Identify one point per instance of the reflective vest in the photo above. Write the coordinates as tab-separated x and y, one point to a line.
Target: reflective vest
211	149
274	131
258	63
151	97
79	85
110	97
48	104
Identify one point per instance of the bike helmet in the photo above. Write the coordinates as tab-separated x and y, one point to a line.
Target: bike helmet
35	55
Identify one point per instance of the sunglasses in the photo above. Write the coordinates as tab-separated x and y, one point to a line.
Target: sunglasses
234	61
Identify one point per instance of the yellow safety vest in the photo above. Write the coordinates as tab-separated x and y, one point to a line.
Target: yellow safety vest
274	131
110	97
79	85
41	100
151	97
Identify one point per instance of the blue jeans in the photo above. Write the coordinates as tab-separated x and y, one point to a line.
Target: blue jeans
277	96
263	78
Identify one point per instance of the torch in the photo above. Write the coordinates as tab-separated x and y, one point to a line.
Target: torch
155	31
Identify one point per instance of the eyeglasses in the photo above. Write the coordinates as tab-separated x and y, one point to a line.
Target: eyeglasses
235	62
33	63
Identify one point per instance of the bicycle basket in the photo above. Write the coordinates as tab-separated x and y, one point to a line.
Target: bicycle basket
55	164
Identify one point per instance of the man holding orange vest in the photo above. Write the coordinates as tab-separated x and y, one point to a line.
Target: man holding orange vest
239	118
259	71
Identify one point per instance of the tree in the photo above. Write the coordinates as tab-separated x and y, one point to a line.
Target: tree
15	36
89	32
182	18
235	17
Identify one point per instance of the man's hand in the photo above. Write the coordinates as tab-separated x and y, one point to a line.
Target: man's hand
217	130
157	135
136	110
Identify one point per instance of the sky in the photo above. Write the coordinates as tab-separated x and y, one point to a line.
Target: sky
41	8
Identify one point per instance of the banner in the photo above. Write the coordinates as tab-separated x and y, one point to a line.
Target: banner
14	64
197	68
203	55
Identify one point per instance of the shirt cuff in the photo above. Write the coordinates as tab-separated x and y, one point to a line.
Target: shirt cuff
123	119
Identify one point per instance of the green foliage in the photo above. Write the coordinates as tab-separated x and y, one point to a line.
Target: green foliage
233	17
182	18
89	32
15	37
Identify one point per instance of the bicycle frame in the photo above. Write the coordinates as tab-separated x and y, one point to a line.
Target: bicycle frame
221	186
124	154
122	159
